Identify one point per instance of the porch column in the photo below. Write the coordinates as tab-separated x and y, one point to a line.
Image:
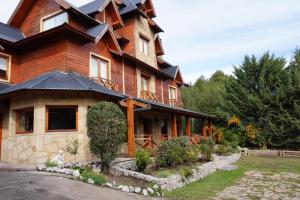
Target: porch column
204	129
188	126
174	126
210	130
130	125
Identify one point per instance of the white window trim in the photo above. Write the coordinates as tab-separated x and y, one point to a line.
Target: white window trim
144	40
100	57
49	16
171	86
8	68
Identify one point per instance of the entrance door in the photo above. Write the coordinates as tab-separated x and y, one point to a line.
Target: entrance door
1	126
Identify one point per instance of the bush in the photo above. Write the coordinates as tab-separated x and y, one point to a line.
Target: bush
186	172
106	130
49	163
176	151
207	148
142	159
72	147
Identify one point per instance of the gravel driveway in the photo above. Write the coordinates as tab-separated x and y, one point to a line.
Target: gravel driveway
33	186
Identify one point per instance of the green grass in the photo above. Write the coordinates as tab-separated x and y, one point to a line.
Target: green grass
219	180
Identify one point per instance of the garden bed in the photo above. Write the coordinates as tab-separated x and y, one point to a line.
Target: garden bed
175	181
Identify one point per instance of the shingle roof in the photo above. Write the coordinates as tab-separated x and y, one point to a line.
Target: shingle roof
98	30
4	85
129	7
182	111
94	6
10	33
57	80
171	71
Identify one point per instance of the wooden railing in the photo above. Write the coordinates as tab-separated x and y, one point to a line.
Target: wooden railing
148	96
146	142
112	85
175	103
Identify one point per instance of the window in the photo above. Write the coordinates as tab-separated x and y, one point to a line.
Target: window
144	45
99	68
145	83
61	118
24	121
4	62
54	21
172	93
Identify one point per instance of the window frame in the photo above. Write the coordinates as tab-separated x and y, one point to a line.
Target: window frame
148	80
52	15
142	42
8	67
17	127
60	130
172	87
108	70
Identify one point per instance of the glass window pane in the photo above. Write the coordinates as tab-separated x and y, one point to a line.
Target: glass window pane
146	47
55	21
63	118
94	68
103	69
141	44
60	19
48	24
3	68
25	121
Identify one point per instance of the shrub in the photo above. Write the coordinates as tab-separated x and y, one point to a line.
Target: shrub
176	151
72	147
186	172
106	130
49	163
206	149
142	159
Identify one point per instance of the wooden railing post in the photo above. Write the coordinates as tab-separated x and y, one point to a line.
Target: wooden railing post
130	125
174	126
188	126
210	130
204	129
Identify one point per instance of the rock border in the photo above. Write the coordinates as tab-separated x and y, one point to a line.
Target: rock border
175	181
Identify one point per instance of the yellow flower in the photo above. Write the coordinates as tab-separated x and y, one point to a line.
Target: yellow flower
218	136
234	121
251	131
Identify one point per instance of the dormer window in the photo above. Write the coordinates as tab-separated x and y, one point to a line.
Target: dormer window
54	21
144	45
4	67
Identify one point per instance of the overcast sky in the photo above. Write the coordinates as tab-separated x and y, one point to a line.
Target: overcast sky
202	36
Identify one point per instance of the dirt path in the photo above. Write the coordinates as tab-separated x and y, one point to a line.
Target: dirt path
264	186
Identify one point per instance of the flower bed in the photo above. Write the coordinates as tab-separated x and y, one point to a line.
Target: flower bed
175	181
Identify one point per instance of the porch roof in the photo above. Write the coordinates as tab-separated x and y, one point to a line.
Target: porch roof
63	81
181	111
4	85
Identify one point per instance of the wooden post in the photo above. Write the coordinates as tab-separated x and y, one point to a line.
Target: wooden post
210	130
130	125
174	126
204	129
188	126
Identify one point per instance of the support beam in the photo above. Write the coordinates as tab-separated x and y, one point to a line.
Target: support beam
210	129
204	127
174	126
130	126
188	126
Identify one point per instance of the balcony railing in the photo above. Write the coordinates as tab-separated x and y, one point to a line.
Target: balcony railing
175	103
148	96
112	85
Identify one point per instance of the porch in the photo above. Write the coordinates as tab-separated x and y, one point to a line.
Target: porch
150	123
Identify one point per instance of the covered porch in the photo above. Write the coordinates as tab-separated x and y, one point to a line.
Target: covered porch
150	123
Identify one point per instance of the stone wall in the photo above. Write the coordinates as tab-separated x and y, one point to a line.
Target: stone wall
175	181
37	147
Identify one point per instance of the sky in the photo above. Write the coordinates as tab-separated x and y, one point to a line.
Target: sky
202	36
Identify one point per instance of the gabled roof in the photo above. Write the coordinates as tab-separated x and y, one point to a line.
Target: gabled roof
24	6
171	71
94	6
10	33
128	7
57	80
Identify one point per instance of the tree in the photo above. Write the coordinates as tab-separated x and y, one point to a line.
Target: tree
262	93
106	131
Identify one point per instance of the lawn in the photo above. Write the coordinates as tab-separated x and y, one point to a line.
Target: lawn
218	181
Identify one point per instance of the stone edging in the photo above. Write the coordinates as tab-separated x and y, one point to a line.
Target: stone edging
175	181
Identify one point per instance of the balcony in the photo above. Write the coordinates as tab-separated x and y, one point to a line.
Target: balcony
175	103
148	96
111	85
